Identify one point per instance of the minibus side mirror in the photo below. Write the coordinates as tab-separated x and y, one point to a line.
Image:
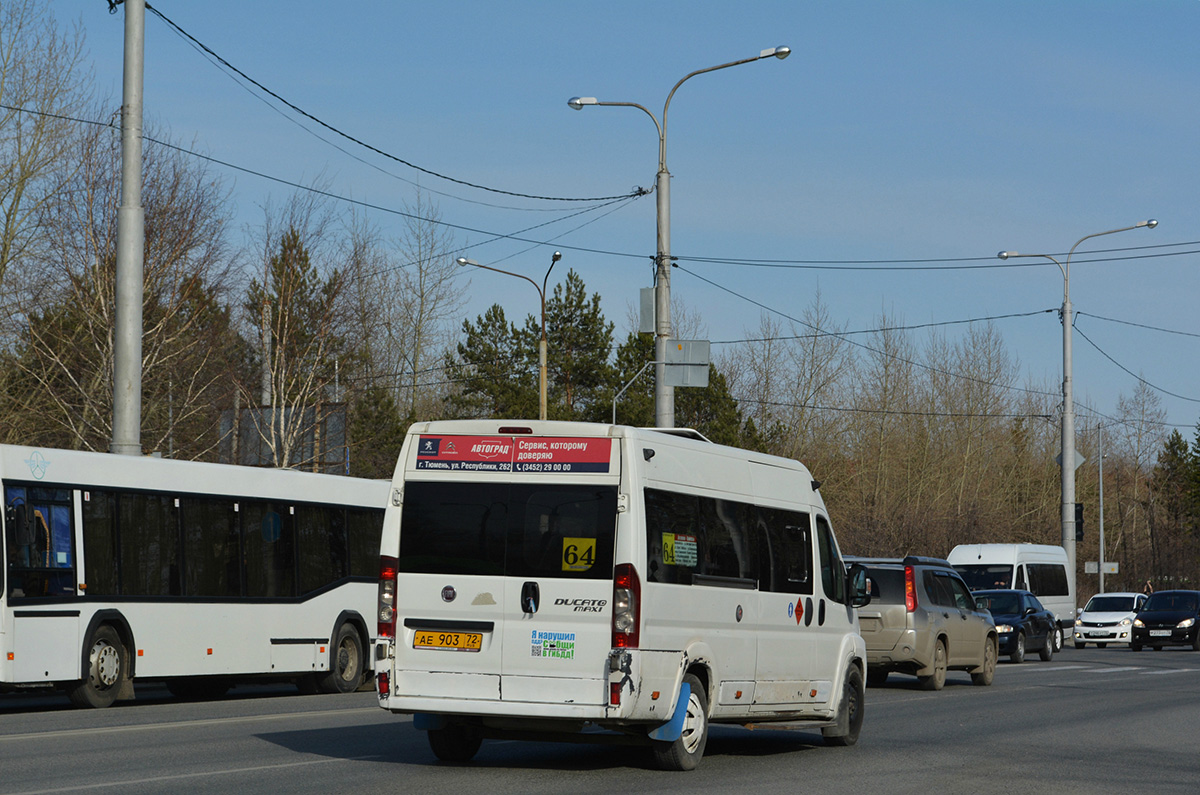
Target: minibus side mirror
857	586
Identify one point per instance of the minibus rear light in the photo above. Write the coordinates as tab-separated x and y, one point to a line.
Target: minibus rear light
386	614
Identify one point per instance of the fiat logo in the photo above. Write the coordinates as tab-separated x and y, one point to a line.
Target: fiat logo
448	593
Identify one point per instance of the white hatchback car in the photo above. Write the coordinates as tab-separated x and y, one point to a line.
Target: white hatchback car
1107	618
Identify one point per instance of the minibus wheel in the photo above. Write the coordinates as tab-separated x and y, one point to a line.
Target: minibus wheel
456	742
850	711
685	752
107	669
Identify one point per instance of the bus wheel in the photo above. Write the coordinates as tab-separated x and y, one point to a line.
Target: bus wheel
685	753
850	711
107	669
456	742
346	662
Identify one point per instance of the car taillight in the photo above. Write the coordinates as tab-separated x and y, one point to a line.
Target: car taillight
387	596
626	615
910	589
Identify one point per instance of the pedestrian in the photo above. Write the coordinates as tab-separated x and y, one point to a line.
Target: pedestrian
1147	588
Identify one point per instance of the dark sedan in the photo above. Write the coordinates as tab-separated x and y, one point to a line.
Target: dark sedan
1169	618
1023	623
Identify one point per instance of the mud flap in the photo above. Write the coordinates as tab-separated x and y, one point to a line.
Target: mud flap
672	730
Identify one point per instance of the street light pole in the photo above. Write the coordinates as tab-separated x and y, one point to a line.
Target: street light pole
664	395
1068	419
541	342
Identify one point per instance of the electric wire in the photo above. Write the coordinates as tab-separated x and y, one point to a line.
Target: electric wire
369	147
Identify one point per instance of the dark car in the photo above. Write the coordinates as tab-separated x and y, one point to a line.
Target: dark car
1023	623
1169	618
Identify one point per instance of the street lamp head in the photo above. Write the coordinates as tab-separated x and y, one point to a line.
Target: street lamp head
463	261
555	257
577	103
1149	224
779	52
1006	254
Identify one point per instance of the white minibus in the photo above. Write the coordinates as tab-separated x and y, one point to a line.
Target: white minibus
1038	568
545	579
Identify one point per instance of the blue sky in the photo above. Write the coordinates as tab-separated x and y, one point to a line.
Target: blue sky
895	131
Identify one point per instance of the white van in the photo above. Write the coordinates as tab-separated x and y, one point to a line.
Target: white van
1038	568
540	579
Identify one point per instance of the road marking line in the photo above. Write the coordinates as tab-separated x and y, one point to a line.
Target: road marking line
182	776
1115	670
1172	671
1019	667
184	724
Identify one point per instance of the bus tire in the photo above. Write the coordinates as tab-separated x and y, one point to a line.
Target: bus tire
455	742
345	662
685	753
850	711
107	670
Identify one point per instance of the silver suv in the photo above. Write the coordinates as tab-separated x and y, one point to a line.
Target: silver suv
923	621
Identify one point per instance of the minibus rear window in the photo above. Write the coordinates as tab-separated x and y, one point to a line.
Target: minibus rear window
508	529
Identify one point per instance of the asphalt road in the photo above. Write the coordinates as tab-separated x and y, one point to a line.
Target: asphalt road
1094	721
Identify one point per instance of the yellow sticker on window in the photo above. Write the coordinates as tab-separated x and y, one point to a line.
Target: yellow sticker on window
579	554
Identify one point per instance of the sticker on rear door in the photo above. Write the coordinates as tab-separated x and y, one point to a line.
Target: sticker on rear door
578	554
553	644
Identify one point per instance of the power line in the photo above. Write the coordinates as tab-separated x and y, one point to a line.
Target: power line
369	147
1138	325
1135	375
920	365
914	327
892	412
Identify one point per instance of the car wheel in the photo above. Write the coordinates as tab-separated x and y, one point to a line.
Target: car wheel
1018	652
685	752
1047	651
936	680
1157	648
987	672
850	711
1135	647
877	677
1079	645
1058	639
1196	642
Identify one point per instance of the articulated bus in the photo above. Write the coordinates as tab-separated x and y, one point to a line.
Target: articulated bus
120	569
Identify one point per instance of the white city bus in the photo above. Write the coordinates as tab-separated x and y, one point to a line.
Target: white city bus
543	579
122	568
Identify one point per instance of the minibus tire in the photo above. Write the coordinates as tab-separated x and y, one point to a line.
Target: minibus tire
107	669
345	662
850	711
456	742
685	753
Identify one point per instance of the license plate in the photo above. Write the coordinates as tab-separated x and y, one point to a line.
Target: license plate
1160	633
1099	635
453	641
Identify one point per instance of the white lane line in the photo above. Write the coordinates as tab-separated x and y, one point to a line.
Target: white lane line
185	724
1115	670
184	776
1024	667
1170	671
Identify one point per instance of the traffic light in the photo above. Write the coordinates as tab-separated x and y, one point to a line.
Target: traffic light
1079	521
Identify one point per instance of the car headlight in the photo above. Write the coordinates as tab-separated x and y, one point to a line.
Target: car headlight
1125	622
1079	622
1137	622
1187	622
1002	628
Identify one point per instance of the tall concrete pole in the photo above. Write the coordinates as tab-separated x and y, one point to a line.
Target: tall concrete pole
127	335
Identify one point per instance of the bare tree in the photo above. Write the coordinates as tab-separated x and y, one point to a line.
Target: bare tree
41	83
62	359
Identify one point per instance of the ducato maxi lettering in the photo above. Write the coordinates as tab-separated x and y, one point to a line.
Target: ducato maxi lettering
582	605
